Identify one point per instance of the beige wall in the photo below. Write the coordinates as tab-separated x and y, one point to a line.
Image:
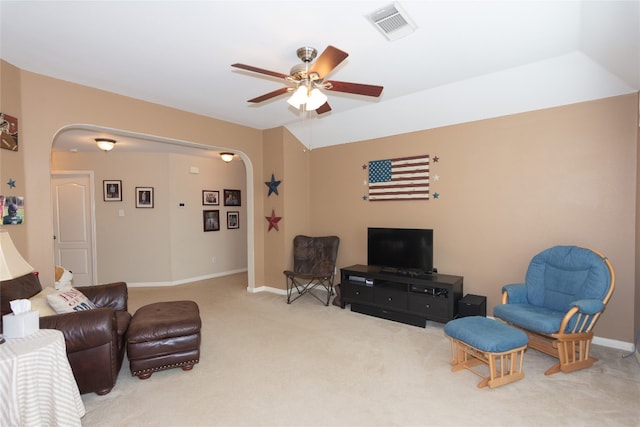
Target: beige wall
637	282
509	187
165	244
12	162
296	191
273	239
49	105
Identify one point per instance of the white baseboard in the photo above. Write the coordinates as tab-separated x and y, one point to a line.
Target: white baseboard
618	345
267	289
184	281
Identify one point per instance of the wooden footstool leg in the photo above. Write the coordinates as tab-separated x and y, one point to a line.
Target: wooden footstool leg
510	367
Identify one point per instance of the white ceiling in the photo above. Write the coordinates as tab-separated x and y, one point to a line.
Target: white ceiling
467	60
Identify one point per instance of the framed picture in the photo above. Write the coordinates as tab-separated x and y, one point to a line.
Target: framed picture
210	197
232	198
12	209
144	197
211	220
8	132
233	219
112	190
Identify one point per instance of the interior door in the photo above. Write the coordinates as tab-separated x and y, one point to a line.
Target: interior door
73	225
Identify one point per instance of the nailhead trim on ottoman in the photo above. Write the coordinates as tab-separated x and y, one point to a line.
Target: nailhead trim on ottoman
164	335
479	340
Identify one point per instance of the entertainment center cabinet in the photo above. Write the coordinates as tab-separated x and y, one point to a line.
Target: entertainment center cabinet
400	296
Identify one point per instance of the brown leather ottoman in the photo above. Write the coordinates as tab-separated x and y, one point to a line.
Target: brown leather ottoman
164	335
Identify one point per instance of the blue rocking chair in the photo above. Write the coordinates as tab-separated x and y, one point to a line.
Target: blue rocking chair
565	292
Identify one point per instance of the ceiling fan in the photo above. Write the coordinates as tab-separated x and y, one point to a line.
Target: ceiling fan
307	79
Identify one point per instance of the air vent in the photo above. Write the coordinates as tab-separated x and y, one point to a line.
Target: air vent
392	21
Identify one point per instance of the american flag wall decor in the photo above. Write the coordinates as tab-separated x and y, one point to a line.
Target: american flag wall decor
404	178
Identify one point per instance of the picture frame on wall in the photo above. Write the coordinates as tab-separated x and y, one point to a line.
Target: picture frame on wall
144	197
211	220
12	209
232	198
233	219
112	190
210	197
8	132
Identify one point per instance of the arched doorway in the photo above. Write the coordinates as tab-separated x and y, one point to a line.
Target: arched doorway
78	138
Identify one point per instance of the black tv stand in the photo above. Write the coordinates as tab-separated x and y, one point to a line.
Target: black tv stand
402	297
407	272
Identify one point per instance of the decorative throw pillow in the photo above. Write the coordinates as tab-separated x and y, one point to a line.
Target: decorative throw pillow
68	300
40	304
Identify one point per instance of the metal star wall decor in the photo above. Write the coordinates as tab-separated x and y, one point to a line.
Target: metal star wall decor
11	183
273	220
273	185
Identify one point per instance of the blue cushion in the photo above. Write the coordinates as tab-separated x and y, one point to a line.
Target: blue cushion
486	334
562	274
531	317
589	306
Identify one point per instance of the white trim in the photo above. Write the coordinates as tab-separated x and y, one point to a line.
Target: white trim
184	281
267	289
606	342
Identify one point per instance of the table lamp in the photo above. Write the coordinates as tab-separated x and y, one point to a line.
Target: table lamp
12	265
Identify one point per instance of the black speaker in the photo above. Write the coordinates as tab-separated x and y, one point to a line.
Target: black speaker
472	305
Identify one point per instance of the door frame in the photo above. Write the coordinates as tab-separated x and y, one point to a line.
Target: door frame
92	213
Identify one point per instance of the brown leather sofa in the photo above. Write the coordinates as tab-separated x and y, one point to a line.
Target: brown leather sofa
96	339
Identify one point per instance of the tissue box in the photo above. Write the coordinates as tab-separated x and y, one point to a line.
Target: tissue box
20	325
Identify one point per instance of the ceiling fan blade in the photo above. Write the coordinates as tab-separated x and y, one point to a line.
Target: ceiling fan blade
356	88
260	70
270	95
324	108
327	61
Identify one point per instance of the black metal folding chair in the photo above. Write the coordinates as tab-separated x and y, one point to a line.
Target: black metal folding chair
314	266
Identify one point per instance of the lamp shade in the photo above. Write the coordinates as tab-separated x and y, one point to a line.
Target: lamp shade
316	99
299	97
12	265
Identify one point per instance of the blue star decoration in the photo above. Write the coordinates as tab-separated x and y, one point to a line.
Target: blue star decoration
365	198
11	183
273	220
273	185
436	195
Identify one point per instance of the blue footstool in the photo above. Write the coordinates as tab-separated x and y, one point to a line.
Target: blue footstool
477	340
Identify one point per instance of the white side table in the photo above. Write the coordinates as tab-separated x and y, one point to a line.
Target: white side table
37	387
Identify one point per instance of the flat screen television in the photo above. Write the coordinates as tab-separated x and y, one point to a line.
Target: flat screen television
401	250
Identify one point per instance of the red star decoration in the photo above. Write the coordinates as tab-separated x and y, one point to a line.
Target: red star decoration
273	220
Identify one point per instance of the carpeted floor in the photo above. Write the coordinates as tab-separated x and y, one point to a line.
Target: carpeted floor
266	363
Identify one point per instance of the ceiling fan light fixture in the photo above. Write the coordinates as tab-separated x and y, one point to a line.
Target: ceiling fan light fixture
299	97
226	157
316	99
105	144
